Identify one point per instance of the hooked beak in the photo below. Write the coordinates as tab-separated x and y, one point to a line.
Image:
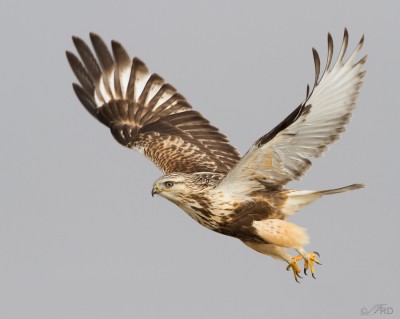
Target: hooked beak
154	190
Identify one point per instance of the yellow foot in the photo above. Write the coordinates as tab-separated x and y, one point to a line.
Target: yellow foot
295	267
309	262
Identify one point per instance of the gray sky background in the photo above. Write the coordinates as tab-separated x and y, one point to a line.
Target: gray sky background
80	235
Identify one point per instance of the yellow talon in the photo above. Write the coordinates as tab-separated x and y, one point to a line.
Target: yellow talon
295	268
309	263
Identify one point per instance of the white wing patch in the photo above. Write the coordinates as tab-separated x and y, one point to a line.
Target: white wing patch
104	95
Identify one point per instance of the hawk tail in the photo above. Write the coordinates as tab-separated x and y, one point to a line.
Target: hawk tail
298	199
342	189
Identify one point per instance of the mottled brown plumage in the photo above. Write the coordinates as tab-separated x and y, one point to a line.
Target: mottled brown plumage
145	113
205	176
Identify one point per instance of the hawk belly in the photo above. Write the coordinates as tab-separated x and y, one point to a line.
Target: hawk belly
235	218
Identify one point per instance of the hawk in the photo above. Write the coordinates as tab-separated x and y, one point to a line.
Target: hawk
242	197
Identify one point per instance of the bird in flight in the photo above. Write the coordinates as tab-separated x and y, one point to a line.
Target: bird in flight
238	196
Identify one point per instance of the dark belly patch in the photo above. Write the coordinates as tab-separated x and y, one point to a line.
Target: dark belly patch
239	223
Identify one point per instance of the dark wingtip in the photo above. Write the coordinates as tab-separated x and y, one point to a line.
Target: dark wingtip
317	63
308	91
363	60
86	100
93	35
115	43
76	40
330	41
346	36
358	186
346	33
69	55
361	40
330	52
72	59
95	38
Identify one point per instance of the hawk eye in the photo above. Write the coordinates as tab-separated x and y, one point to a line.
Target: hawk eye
169	184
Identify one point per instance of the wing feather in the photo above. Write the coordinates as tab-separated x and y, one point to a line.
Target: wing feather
284	153
86	99
145	113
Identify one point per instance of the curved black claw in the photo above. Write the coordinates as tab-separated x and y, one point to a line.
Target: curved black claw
305	271
317	253
314	276
298	275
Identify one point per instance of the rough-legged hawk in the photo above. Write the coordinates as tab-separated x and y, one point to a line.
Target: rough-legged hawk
237	196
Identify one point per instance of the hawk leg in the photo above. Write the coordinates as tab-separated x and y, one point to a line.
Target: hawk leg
280	234
278	253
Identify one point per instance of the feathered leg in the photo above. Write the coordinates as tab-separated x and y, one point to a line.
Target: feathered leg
280	234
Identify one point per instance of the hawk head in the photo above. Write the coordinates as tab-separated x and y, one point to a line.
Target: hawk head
175	187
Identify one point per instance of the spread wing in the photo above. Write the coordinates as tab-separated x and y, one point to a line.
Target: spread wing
284	153
145	113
